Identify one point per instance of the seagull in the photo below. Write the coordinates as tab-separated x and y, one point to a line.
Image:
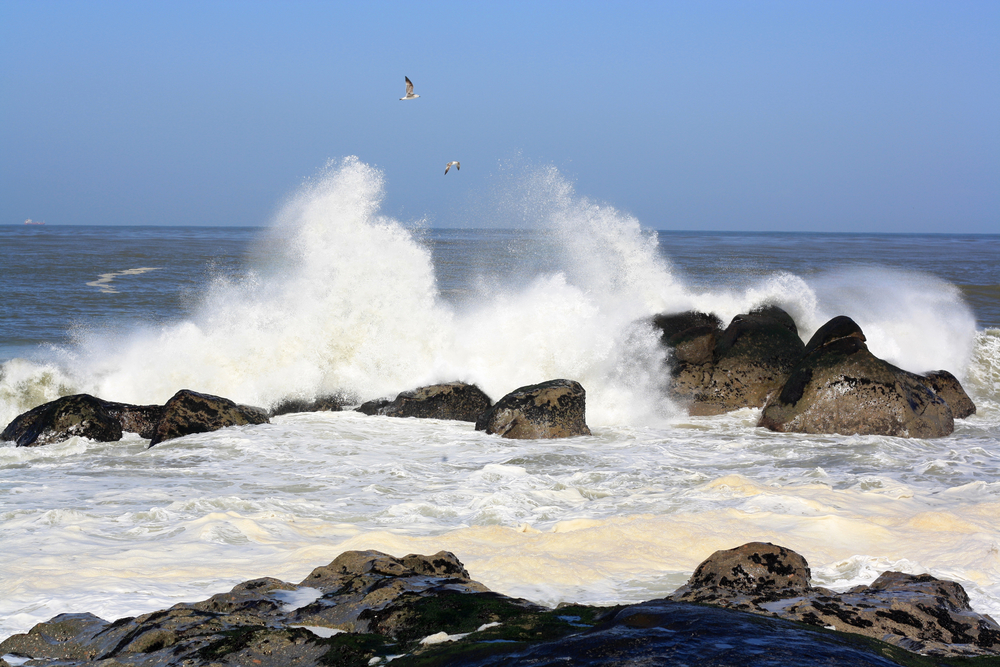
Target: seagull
449	165
409	90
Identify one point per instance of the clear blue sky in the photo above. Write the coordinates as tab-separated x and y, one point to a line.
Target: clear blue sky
798	116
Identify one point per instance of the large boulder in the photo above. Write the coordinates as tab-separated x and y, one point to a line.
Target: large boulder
78	415
841	387
553	409
917	612
191	412
715	370
451	400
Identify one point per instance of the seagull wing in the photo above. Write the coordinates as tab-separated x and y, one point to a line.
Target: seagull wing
409	86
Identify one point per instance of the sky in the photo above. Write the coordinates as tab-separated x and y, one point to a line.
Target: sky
870	116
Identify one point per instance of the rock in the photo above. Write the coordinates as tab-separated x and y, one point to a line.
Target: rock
947	386
747	576
715	370
553	409
374	407
140	419
916	612
841	387
190	412
78	415
452	400
334	403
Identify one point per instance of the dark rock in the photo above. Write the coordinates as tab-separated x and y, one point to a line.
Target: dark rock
837	328
374	407
675	324
333	403
841	387
78	415
947	386
553	409
190	412
715	370
140	419
452	400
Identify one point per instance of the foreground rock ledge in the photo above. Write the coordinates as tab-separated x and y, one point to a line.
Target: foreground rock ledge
366	608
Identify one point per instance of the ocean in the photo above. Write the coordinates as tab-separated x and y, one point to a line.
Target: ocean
335	297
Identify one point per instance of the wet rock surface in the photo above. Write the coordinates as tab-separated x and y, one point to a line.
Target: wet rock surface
839	386
716	371
553	409
947	386
367	608
832	384
90	417
916	612
80	415
452	400
190	412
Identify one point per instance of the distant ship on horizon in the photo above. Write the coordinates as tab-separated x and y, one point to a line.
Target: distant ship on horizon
29	221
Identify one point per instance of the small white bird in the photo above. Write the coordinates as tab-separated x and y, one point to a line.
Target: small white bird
409	90
457	166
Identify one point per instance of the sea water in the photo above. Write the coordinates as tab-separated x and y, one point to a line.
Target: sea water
336	298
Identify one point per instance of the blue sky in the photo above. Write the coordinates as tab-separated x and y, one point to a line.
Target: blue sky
764	116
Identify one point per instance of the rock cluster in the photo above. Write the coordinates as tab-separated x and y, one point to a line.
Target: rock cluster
552	409
104	421
367	608
832	384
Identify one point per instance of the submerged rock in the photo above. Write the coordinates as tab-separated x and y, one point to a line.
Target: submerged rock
334	403
451	400
553	409
80	415
190	412
839	386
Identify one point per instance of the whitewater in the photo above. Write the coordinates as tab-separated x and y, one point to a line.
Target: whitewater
334	297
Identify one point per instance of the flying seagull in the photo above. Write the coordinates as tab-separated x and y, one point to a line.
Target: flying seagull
409	90
449	165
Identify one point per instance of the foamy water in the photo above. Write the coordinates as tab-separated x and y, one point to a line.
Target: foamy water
343	299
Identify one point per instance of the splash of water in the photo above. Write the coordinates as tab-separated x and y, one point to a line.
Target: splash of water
342	299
